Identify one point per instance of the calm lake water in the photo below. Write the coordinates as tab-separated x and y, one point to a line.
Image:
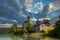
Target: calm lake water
14	37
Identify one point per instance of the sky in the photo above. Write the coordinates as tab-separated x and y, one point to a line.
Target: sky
16	11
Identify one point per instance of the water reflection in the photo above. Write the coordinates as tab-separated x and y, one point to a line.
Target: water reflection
16	37
13	37
46	38
30	38
20	37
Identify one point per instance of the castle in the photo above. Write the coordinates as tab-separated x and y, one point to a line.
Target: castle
39	26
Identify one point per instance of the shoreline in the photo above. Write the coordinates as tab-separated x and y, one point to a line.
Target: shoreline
36	35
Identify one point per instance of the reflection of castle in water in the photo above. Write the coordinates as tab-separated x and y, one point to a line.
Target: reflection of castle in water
20	37
39	38
39	26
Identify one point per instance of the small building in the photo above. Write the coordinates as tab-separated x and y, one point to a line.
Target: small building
24	24
37	26
41	27
44	27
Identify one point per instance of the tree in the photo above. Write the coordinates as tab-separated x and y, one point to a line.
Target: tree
30	25
56	31
13	28
16	30
57	28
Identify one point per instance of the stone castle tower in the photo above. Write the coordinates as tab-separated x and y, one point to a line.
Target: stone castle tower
29	18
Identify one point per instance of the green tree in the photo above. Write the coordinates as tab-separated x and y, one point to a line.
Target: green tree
13	28
56	31
16	30
29	25
57	28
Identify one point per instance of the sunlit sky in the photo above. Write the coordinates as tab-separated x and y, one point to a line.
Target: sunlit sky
37	5
16	11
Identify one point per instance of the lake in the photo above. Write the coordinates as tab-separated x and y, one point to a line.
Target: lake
20	37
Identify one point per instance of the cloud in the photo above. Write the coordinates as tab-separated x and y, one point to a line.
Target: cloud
47	18
21	14
54	6
9	9
17	1
5	25
34	19
28	3
51	5
2	18
14	21
39	5
29	9
24	15
57	3
44	19
34	9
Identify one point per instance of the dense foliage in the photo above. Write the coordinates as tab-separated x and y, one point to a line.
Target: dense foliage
56	31
16	30
30	26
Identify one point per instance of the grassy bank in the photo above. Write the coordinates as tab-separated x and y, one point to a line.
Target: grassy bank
36	34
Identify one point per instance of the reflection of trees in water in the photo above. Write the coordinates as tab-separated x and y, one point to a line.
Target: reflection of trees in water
43	38
15	37
31	38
